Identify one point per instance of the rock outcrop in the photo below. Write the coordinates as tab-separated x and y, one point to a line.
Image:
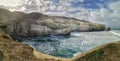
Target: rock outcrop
37	24
11	50
107	52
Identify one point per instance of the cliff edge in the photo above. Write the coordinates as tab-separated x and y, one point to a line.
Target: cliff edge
11	50
37	24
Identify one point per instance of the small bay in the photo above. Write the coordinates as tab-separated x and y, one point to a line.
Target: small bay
76	43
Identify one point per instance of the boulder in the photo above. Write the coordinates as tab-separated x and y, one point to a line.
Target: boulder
107	29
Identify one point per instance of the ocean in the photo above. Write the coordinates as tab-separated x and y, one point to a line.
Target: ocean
76	43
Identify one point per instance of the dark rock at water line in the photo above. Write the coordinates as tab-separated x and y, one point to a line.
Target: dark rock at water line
108	29
1	56
43	39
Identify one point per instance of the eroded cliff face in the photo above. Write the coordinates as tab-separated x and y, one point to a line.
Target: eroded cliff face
37	24
10	50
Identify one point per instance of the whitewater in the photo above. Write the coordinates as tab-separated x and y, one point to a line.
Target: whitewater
115	33
76	43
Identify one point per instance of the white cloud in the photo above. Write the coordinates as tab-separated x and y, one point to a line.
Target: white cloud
115	6
110	17
116	9
106	16
9	2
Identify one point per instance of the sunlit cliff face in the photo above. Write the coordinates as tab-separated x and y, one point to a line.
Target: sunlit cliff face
99	11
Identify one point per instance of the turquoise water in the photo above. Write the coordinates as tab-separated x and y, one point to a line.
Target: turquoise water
76	43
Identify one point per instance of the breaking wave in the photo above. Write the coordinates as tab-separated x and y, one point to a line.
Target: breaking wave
77	43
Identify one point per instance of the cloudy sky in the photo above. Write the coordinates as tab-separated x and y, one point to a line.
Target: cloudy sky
98	11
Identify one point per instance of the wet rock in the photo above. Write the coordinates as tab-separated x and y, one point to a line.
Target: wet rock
107	29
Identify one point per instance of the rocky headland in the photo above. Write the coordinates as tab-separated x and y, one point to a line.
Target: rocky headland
19	24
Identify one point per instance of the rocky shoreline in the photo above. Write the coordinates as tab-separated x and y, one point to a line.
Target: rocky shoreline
11	50
19	24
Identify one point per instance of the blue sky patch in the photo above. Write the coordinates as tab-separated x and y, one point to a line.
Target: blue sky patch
92	4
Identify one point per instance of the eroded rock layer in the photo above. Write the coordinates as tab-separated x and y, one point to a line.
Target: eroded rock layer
37	24
11	50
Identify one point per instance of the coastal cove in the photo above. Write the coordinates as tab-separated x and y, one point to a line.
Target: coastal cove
76	43
36	36
7	45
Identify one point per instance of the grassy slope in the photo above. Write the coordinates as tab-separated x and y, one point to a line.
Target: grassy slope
108	52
